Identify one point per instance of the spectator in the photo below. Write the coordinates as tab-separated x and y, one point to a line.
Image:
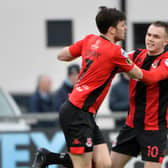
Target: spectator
40	101
61	94
119	98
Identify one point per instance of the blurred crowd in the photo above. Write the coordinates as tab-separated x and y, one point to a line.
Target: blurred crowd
44	100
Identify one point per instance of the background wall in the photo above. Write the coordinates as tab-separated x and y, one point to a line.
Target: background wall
144	11
23	51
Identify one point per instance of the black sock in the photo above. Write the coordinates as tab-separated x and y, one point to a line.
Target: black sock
59	158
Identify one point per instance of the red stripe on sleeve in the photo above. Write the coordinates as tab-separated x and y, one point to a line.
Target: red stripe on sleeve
160	73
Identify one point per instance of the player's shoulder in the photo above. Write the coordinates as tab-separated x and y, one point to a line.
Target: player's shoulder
164	56
133	54
116	48
162	59
91	36
140	50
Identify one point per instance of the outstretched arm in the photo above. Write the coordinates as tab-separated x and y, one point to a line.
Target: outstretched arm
135	73
153	76
65	55
71	52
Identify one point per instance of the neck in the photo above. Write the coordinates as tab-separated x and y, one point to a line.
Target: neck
155	53
109	38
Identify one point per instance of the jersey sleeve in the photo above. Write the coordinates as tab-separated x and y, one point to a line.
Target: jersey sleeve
123	61
131	54
160	73
76	48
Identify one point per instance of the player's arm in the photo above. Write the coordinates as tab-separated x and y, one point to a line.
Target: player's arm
127	65
149	77
153	76
65	55
156	75
71	52
135	73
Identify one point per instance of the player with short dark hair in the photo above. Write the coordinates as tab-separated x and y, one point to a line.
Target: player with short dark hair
100	61
108	17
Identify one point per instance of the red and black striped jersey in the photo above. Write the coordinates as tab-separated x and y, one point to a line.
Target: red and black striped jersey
148	103
100	62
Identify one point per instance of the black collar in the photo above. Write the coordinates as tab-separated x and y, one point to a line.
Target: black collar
104	37
156	55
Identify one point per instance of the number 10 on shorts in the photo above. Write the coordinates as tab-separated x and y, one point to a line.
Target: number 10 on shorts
152	151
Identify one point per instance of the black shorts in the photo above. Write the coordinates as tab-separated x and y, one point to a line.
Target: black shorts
150	144
80	129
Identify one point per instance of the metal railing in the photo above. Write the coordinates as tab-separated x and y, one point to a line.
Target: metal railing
49	116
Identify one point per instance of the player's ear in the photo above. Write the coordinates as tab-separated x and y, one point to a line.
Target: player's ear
112	30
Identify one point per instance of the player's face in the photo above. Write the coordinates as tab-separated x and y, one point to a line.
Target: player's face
120	31
155	40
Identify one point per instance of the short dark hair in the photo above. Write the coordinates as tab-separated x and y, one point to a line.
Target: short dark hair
107	17
161	24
